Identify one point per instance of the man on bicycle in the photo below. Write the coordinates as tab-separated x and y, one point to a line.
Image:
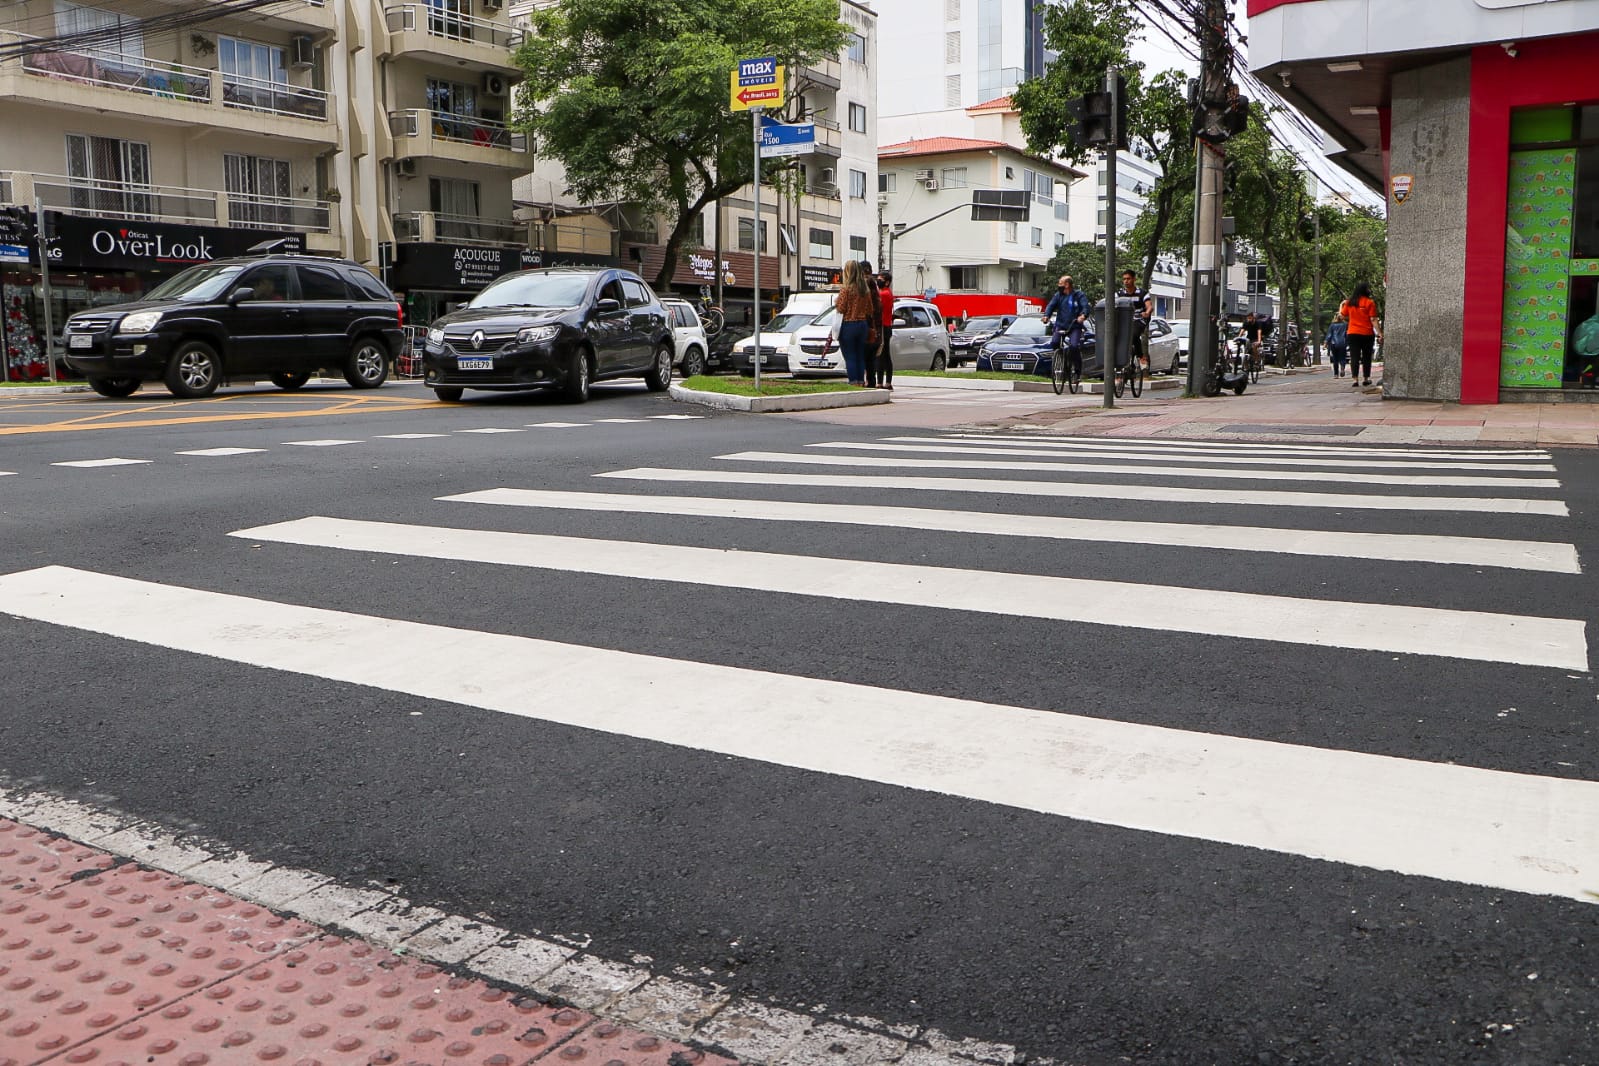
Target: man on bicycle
1143	311
1066	311
1255	330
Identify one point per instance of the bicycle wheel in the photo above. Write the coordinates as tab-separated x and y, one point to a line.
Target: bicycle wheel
1254	371
1121	382
1075	379
1137	373
1057	372
713	319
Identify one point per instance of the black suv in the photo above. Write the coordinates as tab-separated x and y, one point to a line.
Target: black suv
558	328
283	316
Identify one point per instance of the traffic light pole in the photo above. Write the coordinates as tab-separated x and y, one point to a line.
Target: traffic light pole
1107	354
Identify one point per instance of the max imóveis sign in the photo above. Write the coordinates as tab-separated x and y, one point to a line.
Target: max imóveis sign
102	244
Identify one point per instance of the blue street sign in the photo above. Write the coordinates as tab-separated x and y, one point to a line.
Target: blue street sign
780	139
757	72
13	253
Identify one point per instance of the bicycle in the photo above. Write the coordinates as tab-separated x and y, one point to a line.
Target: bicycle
1132	375
711	316
1065	370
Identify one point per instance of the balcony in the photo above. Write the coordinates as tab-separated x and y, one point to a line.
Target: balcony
433	226
823	202
443	36
828	138
172	93
827	73
435	135
286	14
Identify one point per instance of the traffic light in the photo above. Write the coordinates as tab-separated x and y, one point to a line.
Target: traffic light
1093	115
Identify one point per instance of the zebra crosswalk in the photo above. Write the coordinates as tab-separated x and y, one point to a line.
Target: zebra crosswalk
1432	818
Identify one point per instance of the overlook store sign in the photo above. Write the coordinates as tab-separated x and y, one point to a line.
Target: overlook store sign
98	244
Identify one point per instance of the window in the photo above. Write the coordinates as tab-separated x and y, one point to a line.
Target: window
1038	237
952	47
821	244
447	18
258	190
1256	284
888	181
370	286
109	176
321	283
963	277
952	10
1029	180
252	73
788	239
118	36
612	290
634	293
952	90
1062	211
855	48
952	177
453	197
1010	173
857	185
1045	192
271	281
746	235
1011	232
1060	240
454	105
857	248
857	118
1013	281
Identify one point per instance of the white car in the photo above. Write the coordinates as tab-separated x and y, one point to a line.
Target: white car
1181	330
919	341
690	349
778	349
1164	346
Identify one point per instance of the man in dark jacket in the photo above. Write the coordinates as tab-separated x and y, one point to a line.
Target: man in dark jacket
1066	312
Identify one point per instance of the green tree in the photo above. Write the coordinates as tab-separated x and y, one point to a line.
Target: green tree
1085	263
1091	36
632	97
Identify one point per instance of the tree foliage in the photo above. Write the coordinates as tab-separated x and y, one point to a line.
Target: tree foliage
631	96
1085	264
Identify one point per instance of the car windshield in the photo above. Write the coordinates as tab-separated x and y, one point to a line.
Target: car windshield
534	290
826	318
204	282
1180	328
787	323
1026	327
984	325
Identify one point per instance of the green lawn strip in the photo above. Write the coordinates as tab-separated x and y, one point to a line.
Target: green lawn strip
38	384
769	386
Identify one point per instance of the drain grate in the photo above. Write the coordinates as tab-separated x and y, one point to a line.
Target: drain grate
1320	431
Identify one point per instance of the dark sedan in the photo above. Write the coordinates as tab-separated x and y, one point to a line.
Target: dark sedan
1028	346
966	342
560	328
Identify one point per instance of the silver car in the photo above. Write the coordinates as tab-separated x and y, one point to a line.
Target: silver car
1164	346
919	341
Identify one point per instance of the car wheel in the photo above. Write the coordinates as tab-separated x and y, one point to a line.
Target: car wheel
577	376
368	364
693	362
449	393
289	382
116	388
194	370
659	375
938	362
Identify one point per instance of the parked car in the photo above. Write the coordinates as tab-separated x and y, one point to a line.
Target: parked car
966	342
557	328
1164	344
777	343
919	341
1180	328
1026	346
281	316
690	348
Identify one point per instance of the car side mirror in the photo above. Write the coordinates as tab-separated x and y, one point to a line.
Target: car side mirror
607	306
240	295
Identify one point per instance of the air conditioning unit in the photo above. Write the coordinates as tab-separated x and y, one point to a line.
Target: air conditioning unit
827	176
405	168
302	51
882	199
924	175
493	84
931	183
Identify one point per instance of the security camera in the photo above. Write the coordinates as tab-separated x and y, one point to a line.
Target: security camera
1287	79
1510	48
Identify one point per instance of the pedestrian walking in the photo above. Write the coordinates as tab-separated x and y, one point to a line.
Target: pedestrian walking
884	357
1338	345
855	317
1365	331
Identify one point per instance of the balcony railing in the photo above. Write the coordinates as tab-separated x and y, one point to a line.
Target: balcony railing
256	94
460	129
450	25
131	201
466	229
279	212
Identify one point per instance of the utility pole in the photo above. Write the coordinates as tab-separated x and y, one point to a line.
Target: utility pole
1315	286
755	125
1107	354
1208	273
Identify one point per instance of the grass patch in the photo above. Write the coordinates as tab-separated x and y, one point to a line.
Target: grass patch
770	386
38	384
967	375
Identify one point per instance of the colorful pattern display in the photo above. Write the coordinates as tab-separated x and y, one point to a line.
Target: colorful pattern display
1537	268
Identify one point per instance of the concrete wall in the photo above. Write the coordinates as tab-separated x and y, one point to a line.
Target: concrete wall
1427	233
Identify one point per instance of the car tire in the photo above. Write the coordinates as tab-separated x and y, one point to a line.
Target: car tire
576	389
367	365
194	371
939	363
115	388
289	382
659	376
693	361
449	393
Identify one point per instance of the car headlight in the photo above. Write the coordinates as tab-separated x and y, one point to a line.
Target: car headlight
139	322
534	334
435	335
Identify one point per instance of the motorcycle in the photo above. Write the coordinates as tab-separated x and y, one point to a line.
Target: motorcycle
1229	371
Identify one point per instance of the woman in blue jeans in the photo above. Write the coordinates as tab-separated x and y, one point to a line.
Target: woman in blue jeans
854	305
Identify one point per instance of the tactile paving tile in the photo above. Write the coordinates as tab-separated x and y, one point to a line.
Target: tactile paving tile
27	854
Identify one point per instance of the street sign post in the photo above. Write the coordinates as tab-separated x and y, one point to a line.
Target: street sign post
782	139
754	84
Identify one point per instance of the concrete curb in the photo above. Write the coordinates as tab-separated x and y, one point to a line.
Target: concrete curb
996	385
41	390
815	401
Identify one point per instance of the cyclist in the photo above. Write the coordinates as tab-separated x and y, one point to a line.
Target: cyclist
1142	313
1066	311
1255	330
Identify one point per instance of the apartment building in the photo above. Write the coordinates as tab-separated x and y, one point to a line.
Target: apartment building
948	55
158	135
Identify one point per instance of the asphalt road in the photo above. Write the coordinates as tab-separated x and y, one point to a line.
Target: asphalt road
1070	937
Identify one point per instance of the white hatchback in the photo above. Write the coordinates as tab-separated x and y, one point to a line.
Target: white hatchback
919	342
690	349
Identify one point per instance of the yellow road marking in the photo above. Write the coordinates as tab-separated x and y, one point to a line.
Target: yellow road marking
85	426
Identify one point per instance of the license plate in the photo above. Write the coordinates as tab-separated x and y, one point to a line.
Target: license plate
763	360
80	340
1010	366
475	363
817	363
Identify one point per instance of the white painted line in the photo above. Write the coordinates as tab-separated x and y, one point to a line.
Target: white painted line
1465	551
1094	491
411	436
319	443
1516	832
86	464
491	429
1325	476
1250	447
1477	635
678	417
556	425
218	452
618	421
8	473
962	447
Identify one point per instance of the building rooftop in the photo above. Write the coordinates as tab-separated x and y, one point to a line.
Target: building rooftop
953	145
999	103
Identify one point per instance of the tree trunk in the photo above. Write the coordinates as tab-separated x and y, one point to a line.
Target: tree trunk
1157	229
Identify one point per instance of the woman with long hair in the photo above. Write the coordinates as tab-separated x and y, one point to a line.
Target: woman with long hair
854	305
1365	330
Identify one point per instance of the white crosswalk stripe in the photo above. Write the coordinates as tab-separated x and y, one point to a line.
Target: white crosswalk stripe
1209	447
946	447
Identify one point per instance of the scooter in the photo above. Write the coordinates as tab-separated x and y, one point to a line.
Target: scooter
1228	372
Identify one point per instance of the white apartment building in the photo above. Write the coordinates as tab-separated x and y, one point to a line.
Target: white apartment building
948	55
373	130
922	179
